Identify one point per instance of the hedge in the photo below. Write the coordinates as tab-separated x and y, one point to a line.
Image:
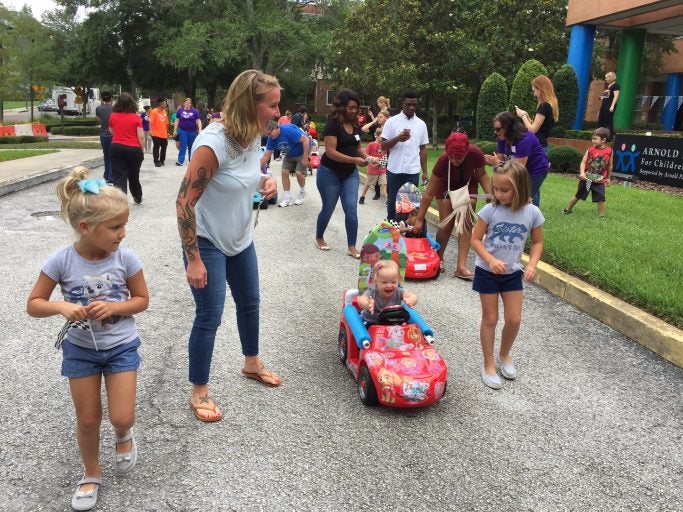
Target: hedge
487	147
75	130
21	139
78	121
566	85
521	94
564	158
492	100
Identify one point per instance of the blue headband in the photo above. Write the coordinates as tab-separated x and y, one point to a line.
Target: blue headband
91	185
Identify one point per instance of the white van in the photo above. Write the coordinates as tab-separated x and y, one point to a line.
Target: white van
73	104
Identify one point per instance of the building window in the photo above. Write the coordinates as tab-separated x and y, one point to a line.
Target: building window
329	97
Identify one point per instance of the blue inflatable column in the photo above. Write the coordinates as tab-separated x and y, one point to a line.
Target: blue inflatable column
673	88
580	55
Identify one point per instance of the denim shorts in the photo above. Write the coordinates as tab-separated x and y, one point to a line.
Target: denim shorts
488	282
84	362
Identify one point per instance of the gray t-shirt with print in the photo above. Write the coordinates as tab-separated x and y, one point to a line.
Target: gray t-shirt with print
507	232
380	303
83	282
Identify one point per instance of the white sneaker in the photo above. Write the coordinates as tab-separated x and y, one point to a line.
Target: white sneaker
507	369
300	199
287	202
492	381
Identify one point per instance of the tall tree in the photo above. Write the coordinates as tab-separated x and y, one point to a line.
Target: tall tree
32	52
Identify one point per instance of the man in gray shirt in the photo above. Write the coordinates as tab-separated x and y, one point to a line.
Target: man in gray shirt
103	111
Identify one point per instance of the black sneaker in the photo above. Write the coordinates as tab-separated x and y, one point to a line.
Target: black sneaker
375	197
137	200
179	164
567	212
157	164
361	200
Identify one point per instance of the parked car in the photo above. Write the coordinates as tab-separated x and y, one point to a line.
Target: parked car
47	106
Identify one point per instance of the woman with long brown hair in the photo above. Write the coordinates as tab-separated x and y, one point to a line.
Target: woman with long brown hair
547	110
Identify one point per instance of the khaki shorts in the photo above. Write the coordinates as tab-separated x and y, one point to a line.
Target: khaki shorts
293	164
376	179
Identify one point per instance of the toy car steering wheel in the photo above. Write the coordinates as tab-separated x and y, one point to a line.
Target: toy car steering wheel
393	315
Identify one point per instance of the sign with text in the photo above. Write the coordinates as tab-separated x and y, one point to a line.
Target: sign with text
655	159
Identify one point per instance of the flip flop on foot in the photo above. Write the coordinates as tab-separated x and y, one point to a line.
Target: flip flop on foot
354	254
264	376
463	276
206	411
320	244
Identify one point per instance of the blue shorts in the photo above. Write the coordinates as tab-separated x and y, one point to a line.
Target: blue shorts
488	282
84	362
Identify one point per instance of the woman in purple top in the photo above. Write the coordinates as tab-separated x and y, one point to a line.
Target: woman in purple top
515	141
188	124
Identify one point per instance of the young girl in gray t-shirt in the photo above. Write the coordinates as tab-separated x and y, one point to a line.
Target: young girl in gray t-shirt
103	287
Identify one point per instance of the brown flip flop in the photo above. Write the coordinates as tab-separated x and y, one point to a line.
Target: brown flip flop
464	277
259	376
205	419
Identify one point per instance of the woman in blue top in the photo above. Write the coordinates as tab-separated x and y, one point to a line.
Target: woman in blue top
214	207
516	142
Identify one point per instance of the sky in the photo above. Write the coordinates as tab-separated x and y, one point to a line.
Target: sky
38	7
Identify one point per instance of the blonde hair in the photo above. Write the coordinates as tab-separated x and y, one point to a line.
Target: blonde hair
611	75
547	94
387	265
518	177
77	206
384	101
239	106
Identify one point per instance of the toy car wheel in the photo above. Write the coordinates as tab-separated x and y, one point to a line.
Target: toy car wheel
343	344
366	388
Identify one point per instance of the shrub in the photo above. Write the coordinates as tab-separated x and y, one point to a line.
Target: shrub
81	130
558	131
520	93
22	139
579	134
487	147
566	86
75	130
564	158
492	99
68	121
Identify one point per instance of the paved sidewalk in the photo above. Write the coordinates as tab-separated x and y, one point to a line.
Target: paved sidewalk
593	422
26	172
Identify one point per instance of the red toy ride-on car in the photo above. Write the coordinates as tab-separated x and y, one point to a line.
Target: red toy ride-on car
394	361
423	259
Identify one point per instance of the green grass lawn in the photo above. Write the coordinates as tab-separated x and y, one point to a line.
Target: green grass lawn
634	253
15	154
16	104
55	144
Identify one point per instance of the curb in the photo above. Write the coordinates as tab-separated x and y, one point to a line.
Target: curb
645	329
30	180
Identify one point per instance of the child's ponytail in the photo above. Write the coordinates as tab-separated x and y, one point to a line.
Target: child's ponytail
83	197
